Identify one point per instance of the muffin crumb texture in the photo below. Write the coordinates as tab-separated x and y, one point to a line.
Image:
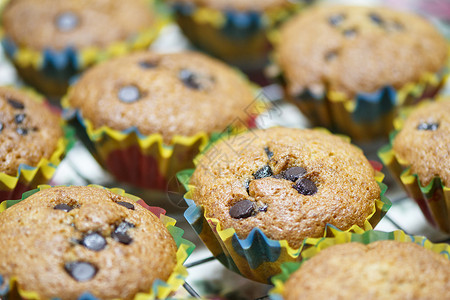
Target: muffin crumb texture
379	270
287	182
63	241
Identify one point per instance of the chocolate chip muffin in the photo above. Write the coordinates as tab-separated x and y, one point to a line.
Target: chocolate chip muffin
29	131
69	35
345	65
176	100
379	270
73	240
424	142
289	183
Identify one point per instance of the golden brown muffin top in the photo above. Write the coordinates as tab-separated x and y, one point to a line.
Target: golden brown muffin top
424	142
52	235
379	270
171	94
55	24
29	131
239	5
256	180
357	49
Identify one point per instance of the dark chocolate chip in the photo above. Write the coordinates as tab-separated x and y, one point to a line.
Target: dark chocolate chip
1	127
22	131
374	17
80	270
350	33
268	152
335	20
265	171
431	126
63	207
19	118
247	186
189	79
145	64
262	208
294	173
123	227
129	94
330	56
67	21
94	241
242	209
122	237
305	187
16	104
126	204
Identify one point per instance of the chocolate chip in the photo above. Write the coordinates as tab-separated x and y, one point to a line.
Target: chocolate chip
123	227
247	186
122	237
189	79
242	209
374	17
431	126
1	127
262	208
19	118
80	270
126	204
350	33
22	131
129	94
335	20
330	56
305	186
94	241
294	173
268	152
67	21
63	207
145	64
16	104
265	171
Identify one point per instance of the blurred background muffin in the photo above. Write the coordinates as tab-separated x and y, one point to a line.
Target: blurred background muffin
50	41
349	68
32	142
149	114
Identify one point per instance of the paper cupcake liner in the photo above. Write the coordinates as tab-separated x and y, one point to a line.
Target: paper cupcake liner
433	199
238	37
340	237
257	257
50	70
29	177
159	290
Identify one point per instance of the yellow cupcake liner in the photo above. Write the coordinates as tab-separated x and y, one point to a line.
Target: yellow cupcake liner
79	59
159	290
258	257
29	177
434	198
340	237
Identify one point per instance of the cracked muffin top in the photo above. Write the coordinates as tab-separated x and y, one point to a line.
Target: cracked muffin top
54	24
64	241
29	131
170	94
287	182
424	142
357	49
379	270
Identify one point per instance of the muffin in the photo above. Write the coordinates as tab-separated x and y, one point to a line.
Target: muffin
149	114
272	189
32	142
86	239
235	31
419	156
50	41
380	266
350	68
